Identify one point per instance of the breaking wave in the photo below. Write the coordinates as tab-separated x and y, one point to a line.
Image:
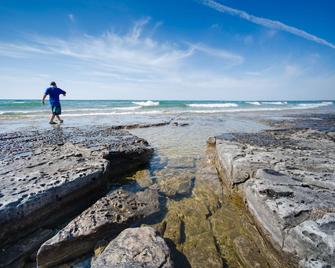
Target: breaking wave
146	103
274	102
315	105
213	105
254	102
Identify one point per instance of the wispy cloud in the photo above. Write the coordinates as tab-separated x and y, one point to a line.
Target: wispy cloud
129	54
235	59
266	22
135	64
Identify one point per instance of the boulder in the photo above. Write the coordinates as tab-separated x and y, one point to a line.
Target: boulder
135	247
105	219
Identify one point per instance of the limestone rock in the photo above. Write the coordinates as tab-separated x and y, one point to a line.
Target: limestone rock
105	219
135	247
47	175
9	257
287	179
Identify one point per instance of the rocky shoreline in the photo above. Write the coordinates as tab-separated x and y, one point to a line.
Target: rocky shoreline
48	177
264	199
286	177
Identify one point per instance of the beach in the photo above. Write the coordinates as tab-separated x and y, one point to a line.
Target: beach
203	211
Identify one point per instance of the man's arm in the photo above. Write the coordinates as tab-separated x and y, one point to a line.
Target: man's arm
63	93
43	99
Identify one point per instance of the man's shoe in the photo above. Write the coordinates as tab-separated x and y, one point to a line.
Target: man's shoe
61	121
52	123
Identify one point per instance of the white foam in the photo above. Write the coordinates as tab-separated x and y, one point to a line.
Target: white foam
254	102
127	108
315	105
112	113
17	112
274	102
146	103
212	105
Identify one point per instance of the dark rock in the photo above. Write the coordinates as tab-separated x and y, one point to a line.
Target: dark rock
135	247
105	219
23	248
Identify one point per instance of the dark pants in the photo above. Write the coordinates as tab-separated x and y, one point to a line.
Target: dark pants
56	109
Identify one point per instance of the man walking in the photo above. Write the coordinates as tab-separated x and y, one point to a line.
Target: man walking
56	109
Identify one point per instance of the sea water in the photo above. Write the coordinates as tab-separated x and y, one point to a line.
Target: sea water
21	113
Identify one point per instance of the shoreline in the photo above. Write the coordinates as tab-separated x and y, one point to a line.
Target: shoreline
189	190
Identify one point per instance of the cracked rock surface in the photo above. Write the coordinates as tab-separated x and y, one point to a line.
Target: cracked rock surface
287	178
48	175
135	247
103	220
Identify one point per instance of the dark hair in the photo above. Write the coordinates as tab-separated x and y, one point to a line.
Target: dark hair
53	83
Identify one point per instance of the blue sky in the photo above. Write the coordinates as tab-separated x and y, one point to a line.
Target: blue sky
185	49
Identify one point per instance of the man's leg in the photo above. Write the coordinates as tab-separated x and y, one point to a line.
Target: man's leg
52	119
59	119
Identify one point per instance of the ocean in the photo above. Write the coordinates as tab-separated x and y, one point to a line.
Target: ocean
205	118
11	109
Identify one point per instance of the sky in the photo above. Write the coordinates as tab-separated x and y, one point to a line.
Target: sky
173	49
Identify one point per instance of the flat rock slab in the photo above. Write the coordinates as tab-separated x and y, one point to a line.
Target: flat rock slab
105	219
42	172
287	177
135	247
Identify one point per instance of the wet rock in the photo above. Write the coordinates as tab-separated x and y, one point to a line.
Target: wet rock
186	224
287	179
105	219
47	176
135	247
181	162
143	178
132	126
178	185
211	141
178	124
24	248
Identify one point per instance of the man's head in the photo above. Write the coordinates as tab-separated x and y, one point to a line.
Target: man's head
53	83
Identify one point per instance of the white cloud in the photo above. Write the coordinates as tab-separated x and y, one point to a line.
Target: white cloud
293	70
134	65
132	55
219	53
272	24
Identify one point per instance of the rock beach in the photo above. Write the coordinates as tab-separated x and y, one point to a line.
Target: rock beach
287	178
135	247
47	176
103	220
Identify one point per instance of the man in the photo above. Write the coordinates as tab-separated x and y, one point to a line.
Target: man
56	109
